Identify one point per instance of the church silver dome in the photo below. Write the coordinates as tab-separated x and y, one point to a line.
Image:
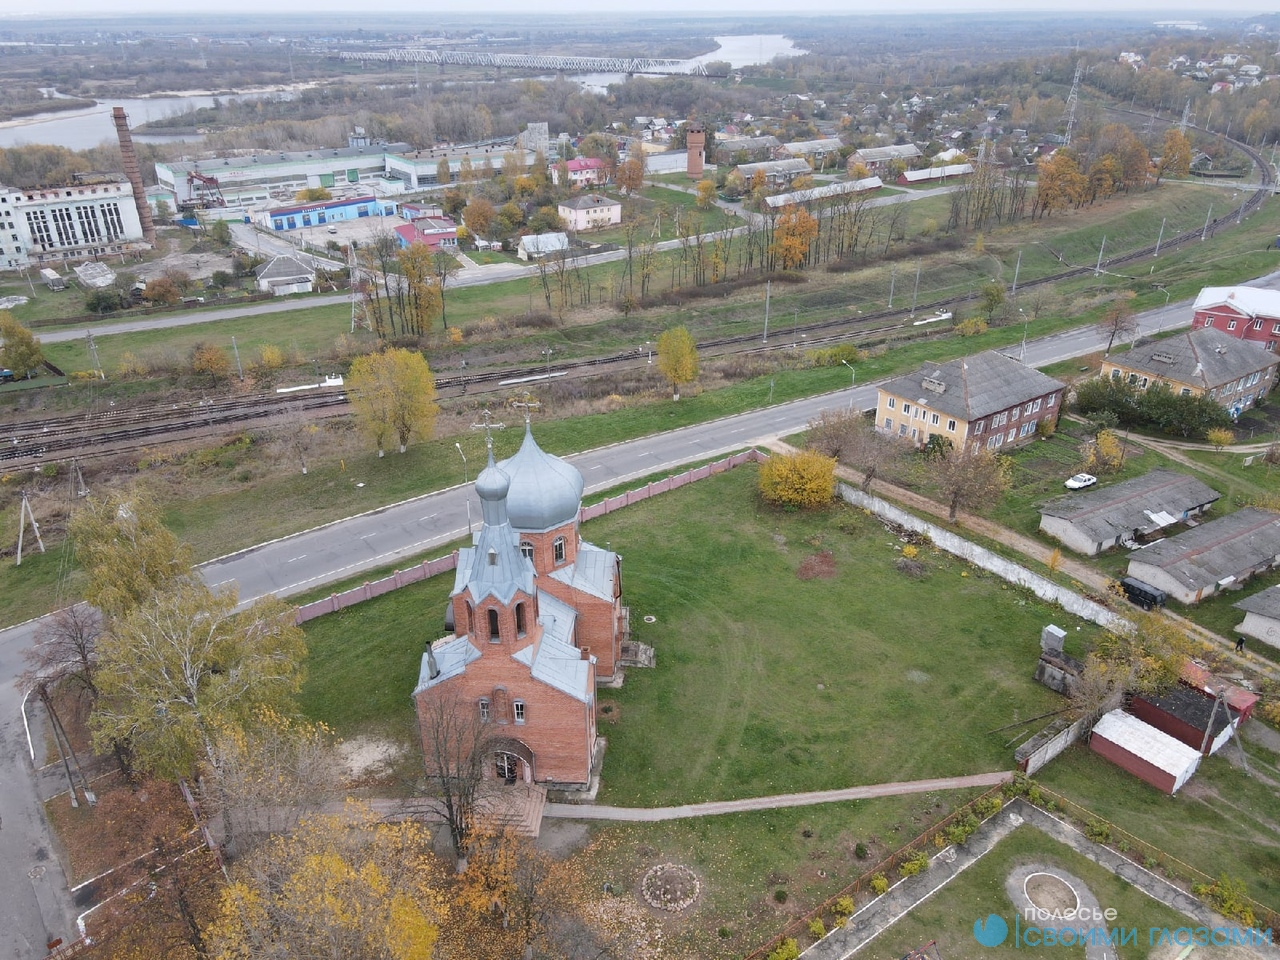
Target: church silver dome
545	491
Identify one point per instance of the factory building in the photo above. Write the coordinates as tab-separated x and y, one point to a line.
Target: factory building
94	216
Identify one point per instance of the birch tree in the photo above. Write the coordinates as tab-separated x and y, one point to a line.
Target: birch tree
677	358
393	394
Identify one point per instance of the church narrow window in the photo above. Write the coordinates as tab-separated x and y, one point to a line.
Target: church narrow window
517	710
484	710
557	550
520	621
494	635
526	549
471	619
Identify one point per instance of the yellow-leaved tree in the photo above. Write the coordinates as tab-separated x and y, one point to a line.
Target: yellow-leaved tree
706	194
805	479
393	394
677	358
794	232
19	350
344	885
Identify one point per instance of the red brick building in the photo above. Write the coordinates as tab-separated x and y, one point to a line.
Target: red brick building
538	619
1247	313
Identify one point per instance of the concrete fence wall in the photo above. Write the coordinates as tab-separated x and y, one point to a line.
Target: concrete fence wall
1047	744
1042	587
429	568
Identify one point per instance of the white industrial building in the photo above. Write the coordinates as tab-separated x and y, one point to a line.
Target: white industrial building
89	218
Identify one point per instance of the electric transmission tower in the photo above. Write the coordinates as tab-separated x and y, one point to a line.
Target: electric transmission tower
1072	99
1186	118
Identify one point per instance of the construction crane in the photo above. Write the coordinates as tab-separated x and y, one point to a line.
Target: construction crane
207	194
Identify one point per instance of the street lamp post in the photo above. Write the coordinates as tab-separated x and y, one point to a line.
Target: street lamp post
547	353
1026	321
466	483
853	379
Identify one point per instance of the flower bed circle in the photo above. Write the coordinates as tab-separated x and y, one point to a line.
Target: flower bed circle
650	618
670	886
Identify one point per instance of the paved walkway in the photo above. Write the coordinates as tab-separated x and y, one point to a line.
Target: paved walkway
884	911
572	811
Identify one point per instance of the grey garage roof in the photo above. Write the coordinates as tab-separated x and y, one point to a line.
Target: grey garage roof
1204	358
1231	546
1265	603
793	167
286	268
1145	503
972	387
901	151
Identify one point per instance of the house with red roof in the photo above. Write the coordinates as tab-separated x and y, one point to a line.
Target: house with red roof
435	232
581	171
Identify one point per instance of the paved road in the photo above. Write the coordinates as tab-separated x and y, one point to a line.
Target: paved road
340	549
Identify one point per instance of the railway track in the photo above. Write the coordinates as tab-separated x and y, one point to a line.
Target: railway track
112	432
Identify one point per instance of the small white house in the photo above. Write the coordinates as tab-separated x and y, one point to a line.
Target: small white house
285	275
590	211
538	245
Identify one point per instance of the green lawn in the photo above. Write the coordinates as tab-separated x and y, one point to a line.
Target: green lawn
948	915
1222	821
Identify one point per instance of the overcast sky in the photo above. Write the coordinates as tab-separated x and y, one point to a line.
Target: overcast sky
1156	9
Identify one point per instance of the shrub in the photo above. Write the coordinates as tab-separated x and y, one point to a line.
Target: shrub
917	863
132	366
844	907
879	884
210	362
802	480
788	949
817	928
912	568
780	895
860	850
724	933
1099	831
1046	428
910	551
985	807
971	327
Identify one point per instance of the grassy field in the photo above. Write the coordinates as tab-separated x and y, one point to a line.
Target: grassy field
1222	821
765	682
948	915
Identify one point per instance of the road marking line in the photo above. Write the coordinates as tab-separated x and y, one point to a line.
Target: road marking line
298	557
430	516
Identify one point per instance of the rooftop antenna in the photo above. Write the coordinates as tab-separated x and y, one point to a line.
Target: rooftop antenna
25	514
1073	98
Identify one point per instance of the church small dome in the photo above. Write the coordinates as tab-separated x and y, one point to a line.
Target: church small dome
493	483
545	491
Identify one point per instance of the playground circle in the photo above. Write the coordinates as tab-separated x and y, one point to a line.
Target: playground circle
1050	892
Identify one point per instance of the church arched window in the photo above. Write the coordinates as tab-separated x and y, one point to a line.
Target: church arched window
494	635
557	550
526	549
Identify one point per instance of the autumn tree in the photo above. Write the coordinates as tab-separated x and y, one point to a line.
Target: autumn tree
184	664
706	195
677	358
1220	437
19	349
793	234
393	394
273	770
1106	455
126	551
1060	184
479	216
1118	321
211	363
340	886
852	439
444	265
630	175
162	290
1175	155
1144	655
805	479
313	195
444	176
421	294
968	478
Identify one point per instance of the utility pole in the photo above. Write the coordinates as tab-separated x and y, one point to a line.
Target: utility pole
236	351
1016	269
893	279
916	292
1163	221
1098	268
767	283
25	514
93	355
1205	232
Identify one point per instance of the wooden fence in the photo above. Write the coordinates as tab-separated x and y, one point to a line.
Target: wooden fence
429	568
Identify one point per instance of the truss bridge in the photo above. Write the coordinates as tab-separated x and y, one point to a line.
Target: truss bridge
522	61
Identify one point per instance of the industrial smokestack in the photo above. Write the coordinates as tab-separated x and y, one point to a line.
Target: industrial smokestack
134	173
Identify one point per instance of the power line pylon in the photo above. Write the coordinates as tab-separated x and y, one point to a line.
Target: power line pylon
1073	98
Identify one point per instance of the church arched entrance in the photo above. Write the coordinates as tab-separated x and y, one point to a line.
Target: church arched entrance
512	761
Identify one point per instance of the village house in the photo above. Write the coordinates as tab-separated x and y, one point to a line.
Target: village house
581	171
776	173
590	211
1202	362
435	232
1091	521
284	275
984	400
819	153
1246	313
878	160
535	246
537	621
1221	553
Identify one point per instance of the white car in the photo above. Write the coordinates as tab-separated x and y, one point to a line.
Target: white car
1080	481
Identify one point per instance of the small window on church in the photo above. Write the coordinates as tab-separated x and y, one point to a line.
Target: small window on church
520	623
484	710
526	549
517	710
471	619
494	635
557	550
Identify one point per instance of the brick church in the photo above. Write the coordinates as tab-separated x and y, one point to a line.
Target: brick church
538	620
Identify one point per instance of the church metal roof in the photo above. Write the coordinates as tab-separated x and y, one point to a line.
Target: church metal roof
554	660
545	492
591	572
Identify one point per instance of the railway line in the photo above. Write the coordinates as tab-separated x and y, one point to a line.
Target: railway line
112	432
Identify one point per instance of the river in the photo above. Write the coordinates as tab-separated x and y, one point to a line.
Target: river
88	127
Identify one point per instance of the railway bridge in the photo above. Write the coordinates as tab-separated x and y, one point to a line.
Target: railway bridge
530	61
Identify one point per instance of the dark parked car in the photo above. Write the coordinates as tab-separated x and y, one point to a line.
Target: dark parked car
1143	594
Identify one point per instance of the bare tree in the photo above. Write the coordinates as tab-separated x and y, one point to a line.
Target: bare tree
969	478
456	746
852	439
66	648
1118	321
